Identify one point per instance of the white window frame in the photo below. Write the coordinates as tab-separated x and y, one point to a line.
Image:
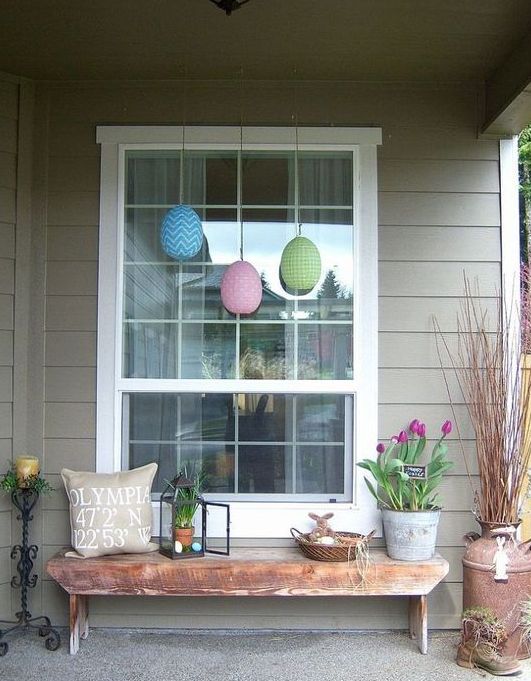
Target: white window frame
249	519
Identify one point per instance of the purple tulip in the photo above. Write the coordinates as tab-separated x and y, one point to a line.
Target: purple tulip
446	428
380	448
421	430
394	439
402	436
413	426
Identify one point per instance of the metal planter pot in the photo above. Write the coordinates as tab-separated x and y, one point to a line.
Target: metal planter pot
410	535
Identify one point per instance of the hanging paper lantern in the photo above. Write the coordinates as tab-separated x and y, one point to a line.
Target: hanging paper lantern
241	288
181	233
300	265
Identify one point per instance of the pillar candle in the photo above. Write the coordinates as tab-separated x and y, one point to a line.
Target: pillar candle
26	467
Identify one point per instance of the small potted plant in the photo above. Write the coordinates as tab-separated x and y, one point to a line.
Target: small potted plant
183	522
406	490
483	636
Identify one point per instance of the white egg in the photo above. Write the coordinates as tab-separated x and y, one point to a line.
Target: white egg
178	547
327	541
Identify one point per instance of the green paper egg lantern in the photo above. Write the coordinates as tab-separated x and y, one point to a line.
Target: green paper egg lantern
300	265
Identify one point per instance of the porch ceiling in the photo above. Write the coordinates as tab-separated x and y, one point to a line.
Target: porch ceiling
361	40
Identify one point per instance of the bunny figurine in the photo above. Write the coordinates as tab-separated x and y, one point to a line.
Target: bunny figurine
322	528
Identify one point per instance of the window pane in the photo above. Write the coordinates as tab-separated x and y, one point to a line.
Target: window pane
262	469
215	461
210	178
163	455
150	350
142	235
221	239
152	177
264	418
325	179
256	444
266	351
153	416
150	292
325	351
207	417
201	292
208	351
320	469
267	178
321	418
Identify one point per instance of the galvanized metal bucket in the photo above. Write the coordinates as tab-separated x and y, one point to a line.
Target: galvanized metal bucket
410	535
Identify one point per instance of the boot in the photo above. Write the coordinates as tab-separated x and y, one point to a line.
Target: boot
486	657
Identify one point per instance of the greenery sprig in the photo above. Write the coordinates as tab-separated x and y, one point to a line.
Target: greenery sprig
34	483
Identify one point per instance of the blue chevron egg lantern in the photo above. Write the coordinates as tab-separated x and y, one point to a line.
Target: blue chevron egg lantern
181	233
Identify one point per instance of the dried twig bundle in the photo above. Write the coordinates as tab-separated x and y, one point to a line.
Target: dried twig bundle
496	385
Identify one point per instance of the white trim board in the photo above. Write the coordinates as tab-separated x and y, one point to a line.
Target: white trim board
208	135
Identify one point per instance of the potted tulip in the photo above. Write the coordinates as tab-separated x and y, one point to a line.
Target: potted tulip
406	490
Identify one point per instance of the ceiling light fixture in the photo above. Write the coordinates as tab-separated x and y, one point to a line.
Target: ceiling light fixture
229	6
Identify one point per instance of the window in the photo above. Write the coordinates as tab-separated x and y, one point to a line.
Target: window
273	406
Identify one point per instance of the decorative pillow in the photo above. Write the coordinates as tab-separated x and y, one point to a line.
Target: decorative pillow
110	512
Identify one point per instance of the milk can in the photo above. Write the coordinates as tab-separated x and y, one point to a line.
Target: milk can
497	575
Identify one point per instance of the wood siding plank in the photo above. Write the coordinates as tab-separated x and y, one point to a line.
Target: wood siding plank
72	243
7	240
6	384
416	208
438	244
417	386
6	419
73	208
70	384
69	348
438	176
74	174
6	348
8	134
8	170
7	205
70	313
75	420
71	278
417	314
429	143
7	276
433	279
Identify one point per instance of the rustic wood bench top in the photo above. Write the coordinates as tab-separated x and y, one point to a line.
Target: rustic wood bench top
246	572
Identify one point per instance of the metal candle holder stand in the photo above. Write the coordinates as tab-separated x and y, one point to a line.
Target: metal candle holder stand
25	500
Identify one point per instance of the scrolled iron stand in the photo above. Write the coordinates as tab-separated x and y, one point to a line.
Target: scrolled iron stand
25	500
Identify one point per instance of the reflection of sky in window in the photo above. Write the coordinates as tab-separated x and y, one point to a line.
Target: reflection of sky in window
264	242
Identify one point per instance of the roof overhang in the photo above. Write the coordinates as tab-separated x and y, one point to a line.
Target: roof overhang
476	44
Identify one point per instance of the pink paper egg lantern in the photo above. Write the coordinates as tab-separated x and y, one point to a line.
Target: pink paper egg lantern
241	288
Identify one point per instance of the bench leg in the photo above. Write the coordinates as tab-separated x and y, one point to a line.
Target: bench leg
79	626
418	621
412	617
83	617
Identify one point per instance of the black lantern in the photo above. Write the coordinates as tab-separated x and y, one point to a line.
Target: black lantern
183	521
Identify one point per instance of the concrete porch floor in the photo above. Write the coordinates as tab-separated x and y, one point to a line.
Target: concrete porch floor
112	655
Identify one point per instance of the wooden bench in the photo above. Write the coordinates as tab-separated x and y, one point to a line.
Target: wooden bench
281	572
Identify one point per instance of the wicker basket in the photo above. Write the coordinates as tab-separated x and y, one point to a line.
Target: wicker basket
334	553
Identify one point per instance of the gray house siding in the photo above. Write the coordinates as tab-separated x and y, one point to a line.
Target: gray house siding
438	214
9	93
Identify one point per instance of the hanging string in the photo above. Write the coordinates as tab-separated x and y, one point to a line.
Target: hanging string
183	111
295	119
241	160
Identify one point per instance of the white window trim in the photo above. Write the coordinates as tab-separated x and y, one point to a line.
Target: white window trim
248	518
